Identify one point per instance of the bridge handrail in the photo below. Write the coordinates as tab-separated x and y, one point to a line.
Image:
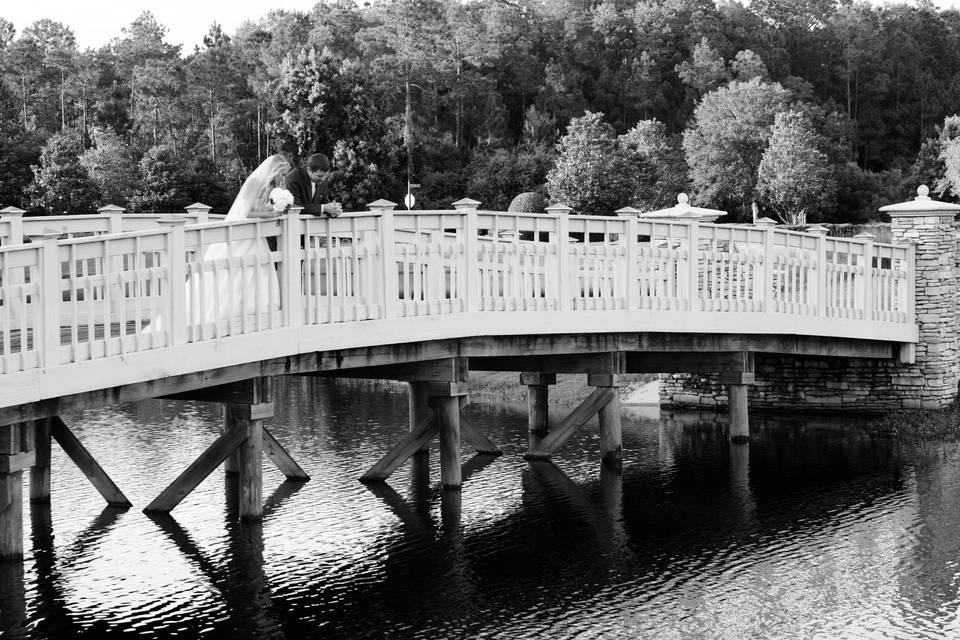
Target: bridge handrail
82	297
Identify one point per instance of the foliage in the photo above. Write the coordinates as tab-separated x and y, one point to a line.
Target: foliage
659	161
528	202
794	177
111	167
496	175
593	175
19	150
726	141
60	183
470	98
165	186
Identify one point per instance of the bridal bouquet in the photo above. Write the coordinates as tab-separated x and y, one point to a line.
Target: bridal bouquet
281	200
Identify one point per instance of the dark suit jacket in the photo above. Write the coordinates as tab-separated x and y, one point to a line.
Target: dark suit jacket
297	182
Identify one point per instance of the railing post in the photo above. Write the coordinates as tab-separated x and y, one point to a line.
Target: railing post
867	279
200	212
564	297
822	276
471	280
291	292
177	270
769	301
693	272
388	254
114	216
50	296
630	250
14	216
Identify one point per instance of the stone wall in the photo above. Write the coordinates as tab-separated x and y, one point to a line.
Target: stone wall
808	383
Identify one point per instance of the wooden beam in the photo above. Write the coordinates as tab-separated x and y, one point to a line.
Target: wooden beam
611	438
198	470
685	362
230	393
441	370
402	451
584	411
283	460
87	464
479	441
605	362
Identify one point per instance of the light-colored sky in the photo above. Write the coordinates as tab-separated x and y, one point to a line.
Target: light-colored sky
96	22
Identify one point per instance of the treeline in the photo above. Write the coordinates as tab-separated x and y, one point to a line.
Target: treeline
799	109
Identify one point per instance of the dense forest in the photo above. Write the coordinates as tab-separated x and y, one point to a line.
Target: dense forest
797	109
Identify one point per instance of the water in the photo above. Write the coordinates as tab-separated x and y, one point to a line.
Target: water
815	530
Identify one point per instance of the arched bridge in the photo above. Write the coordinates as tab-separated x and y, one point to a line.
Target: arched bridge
108	308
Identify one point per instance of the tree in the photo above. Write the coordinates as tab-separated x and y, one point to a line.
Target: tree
164	185
795	177
727	138
111	167
593	175
60	183
660	166
705	71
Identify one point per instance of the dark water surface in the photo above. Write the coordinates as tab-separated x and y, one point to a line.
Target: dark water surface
814	530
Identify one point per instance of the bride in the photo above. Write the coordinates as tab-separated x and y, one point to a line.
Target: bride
234	283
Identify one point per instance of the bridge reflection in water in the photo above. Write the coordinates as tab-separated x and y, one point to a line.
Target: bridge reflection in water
811	528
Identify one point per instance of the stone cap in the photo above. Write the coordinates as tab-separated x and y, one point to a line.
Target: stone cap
465	203
382	205
110	208
921	207
11	211
683	210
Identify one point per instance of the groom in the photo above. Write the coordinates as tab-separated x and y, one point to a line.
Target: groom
309	185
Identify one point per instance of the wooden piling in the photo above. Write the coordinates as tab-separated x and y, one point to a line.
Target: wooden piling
538	402
250	470
11	515
40	471
419	408
738	383
611	431
448	419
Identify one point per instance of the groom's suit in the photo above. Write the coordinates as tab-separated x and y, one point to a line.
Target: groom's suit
299	184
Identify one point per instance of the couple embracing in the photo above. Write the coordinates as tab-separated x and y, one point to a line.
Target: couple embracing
219	296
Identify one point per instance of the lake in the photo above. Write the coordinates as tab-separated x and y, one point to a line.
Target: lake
815	529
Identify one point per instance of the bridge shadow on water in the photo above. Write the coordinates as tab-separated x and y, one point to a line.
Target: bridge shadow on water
525	549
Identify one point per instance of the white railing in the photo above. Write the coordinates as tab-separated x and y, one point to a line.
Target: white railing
98	294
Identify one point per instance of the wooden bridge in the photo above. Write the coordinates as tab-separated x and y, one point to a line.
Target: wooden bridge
104	309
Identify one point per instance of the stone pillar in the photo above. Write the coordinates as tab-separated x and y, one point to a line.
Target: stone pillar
928	225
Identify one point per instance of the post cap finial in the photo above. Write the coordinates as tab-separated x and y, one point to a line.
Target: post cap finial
683	199
923	192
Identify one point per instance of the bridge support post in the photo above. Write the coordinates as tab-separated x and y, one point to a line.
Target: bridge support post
538	402
16	454
40	471
232	417
445	398
250	452
419	408
738	383
611	430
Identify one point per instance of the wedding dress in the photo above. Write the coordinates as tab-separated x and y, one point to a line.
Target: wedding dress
233	286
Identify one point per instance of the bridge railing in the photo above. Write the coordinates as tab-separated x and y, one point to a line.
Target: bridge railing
94	296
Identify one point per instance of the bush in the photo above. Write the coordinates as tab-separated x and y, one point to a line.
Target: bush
528	202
